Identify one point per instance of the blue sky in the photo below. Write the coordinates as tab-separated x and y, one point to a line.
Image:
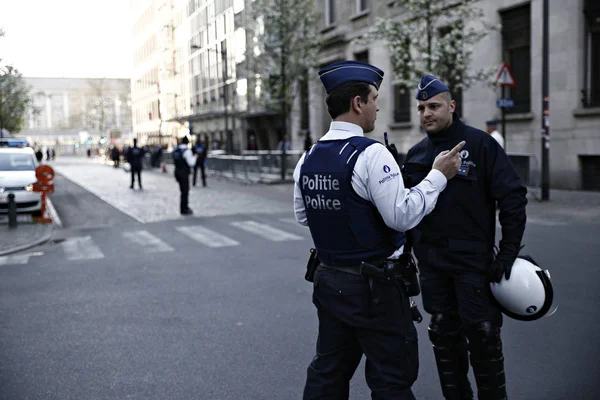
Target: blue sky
67	38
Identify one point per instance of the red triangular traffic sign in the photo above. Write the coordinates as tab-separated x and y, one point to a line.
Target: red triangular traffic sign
504	77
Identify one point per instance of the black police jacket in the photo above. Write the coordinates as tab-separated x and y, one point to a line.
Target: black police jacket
135	155
461	228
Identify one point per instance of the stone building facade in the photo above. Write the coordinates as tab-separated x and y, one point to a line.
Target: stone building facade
574	81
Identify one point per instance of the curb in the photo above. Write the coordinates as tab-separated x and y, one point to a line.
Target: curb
29	245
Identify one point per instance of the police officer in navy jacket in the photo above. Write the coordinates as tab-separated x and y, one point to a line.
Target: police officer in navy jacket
184	160
454	245
350	193
135	155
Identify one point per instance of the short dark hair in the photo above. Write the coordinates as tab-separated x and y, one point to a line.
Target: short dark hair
339	99
185	140
447	95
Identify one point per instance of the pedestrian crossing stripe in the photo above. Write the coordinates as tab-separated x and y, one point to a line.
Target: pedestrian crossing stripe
81	248
207	237
149	242
290	221
266	231
18	259
84	247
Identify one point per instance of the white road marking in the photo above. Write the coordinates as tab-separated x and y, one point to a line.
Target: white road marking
81	248
53	214
18	259
206	236
290	221
266	231
538	221
149	242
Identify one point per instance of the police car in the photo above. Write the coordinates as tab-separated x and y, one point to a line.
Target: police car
17	176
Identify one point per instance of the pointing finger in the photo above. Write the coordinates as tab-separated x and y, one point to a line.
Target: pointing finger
458	148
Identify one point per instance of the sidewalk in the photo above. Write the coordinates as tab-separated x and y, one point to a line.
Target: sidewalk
159	200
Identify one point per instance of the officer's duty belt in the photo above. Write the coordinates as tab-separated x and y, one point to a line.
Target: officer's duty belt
375	269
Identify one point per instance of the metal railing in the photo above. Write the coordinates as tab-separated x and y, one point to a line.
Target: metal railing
250	166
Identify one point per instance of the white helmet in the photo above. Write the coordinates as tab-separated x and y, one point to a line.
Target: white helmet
527	295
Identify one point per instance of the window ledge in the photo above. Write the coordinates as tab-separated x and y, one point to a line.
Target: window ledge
401	125
528	116
328	28
586	112
361	14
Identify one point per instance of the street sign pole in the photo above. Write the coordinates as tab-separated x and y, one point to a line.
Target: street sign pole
504	78
545	109
503	89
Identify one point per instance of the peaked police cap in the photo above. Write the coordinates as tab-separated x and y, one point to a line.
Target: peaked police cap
342	72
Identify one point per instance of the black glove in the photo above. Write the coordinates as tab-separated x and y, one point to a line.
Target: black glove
503	262
392	148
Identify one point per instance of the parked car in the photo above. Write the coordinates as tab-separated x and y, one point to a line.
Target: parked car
13	142
17	175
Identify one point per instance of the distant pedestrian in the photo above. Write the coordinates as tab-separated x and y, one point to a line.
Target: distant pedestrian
184	160
491	129
135	155
48	154
252	146
39	155
200	149
52	154
284	144
307	141
115	156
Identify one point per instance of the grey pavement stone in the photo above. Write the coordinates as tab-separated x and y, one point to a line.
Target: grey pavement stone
159	200
566	205
24	236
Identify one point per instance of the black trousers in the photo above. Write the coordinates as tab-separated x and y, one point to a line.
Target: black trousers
202	173
355	320
184	187
137	172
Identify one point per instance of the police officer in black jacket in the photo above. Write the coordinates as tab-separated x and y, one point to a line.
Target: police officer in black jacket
183	160
135	155
455	245
349	192
200	150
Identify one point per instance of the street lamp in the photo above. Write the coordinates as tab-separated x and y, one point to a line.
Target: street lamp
223	53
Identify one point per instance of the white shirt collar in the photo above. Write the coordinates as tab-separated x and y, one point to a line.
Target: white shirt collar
342	130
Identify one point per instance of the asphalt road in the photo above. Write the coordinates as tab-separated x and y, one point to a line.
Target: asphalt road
217	308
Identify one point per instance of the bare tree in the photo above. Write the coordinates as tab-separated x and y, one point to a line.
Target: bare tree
287	45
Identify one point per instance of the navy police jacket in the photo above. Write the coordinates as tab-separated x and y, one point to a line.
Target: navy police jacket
346	229
460	231
181	165
134	158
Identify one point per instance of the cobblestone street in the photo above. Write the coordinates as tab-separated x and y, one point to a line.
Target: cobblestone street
159	200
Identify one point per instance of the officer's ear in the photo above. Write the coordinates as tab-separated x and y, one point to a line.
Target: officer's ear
452	106
356	105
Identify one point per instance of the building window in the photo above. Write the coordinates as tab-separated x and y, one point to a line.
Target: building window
516	51
363	56
329	12
402	109
591	88
362	5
